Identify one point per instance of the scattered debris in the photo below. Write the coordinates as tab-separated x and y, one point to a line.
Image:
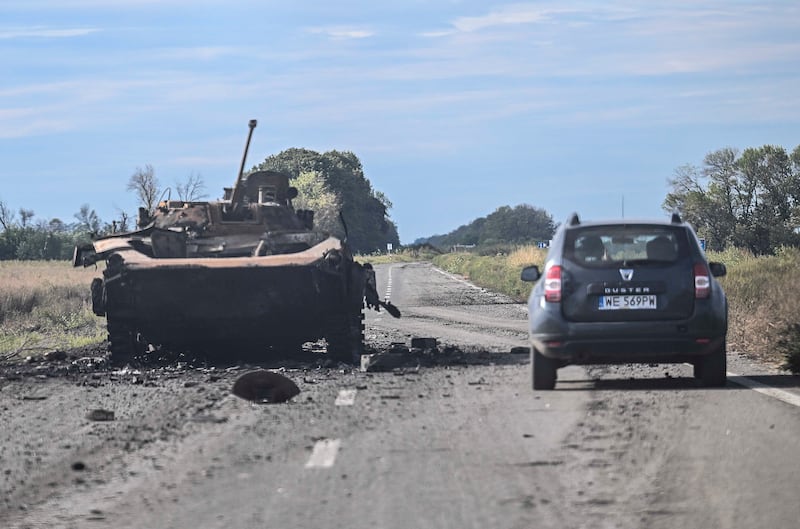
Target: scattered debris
55	356
426	344
388	361
398	356
398	348
265	387
35	396
100	415
208	418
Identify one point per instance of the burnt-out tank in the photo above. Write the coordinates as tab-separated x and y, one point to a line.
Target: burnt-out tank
247	273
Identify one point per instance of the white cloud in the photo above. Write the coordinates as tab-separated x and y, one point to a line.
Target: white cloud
198	53
506	15
45	33
34	5
343	32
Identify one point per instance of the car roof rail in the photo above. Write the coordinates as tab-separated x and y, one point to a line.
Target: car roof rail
676	218
574	220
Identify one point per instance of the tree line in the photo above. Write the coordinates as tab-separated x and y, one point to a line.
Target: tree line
332	184
522	224
25	238
747	200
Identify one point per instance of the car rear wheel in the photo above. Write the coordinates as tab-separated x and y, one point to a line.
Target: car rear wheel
698	369
544	371
712	368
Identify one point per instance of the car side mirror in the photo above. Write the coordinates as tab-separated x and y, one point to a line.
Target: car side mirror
717	269
530	273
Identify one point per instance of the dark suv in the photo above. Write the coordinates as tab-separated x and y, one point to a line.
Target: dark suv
626	292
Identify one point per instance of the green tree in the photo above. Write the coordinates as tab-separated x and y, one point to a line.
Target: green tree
749	200
25	215
314	194
522	224
365	211
518	225
88	223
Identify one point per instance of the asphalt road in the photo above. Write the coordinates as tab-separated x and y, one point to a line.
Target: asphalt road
464	444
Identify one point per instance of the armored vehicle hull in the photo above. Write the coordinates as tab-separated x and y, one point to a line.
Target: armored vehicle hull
240	275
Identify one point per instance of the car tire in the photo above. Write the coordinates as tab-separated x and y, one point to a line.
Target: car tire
698	369
713	368
544	371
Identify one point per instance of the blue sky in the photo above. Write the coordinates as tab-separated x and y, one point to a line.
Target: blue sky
454	107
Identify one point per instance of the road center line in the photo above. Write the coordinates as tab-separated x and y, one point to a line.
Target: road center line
775	393
346	397
389	285
324	453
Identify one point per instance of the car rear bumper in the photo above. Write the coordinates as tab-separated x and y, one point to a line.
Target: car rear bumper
628	342
608	351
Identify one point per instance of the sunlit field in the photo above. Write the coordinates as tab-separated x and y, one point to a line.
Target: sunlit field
764	298
45	306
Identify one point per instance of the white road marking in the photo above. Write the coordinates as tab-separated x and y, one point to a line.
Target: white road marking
389	285
346	397
459	279
324	453
775	393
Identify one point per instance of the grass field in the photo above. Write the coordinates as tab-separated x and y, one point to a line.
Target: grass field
44	306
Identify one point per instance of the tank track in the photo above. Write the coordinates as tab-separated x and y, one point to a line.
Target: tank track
123	345
345	336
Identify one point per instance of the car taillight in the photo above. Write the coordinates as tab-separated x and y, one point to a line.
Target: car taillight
702	281
552	284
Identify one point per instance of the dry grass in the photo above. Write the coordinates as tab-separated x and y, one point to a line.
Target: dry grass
764	300
404	255
46	305
498	273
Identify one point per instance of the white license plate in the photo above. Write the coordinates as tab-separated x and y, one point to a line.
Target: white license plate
627	302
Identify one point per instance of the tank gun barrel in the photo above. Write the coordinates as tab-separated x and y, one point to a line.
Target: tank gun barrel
238	189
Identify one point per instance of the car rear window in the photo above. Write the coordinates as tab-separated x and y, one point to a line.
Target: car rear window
601	246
